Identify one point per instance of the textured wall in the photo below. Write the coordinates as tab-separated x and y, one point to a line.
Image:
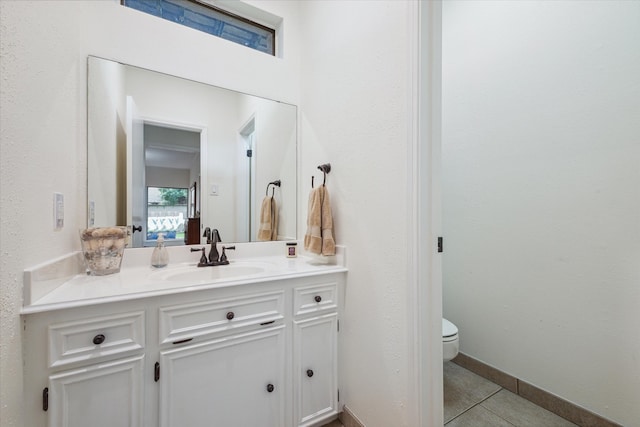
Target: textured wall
541	187
355	101
42	151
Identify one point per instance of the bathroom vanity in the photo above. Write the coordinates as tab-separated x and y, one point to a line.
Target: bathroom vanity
249	344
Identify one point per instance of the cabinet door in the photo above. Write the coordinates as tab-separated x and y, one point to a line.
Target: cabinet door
235	381
101	395
315	369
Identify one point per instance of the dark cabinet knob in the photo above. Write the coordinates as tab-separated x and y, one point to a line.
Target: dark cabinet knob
309	373
318	298
270	388
230	315
99	339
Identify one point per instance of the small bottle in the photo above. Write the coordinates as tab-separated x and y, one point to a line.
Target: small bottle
292	249
160	256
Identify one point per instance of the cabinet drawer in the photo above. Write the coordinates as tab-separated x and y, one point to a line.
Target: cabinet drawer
94	338
315	298
184	322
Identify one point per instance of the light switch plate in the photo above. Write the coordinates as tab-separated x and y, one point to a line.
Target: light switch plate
92	213
58	211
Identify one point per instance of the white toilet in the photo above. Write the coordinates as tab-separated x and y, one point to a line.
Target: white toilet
450	342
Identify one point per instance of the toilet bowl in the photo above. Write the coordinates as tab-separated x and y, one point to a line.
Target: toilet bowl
450	342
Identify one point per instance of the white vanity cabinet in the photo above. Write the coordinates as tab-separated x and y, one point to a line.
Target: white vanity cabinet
315	353
85	370
255	355
106	394
227	366
235	381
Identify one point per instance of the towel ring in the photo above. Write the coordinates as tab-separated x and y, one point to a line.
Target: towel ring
275	184
325	168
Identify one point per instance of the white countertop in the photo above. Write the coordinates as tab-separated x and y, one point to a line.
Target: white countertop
139	280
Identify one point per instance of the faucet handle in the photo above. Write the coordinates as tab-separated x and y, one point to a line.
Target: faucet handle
203	259
223	257
207	234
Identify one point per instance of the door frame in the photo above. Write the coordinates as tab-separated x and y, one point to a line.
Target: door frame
424	215
190	127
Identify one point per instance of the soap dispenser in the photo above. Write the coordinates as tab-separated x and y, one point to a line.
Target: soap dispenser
160	256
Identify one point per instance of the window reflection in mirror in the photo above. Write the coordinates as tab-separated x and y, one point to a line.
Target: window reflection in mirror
166	213
136	116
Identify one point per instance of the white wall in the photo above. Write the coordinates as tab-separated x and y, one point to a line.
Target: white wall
105	127
276	157
541	187
355	116
43	119
167	177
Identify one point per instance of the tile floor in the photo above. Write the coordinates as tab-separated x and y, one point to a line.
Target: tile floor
472	401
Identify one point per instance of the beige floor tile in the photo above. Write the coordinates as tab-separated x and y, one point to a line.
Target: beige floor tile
522	413
463	389
478	417
335	423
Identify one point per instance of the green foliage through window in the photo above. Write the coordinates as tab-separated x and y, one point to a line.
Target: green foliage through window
173	196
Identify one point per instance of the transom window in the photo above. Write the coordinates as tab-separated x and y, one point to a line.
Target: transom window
211	20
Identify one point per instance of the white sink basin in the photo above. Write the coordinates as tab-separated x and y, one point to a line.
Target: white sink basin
193	274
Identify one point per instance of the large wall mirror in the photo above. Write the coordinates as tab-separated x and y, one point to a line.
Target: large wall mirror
173	156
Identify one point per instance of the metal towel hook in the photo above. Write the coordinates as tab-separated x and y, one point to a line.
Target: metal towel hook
275	184
325	168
